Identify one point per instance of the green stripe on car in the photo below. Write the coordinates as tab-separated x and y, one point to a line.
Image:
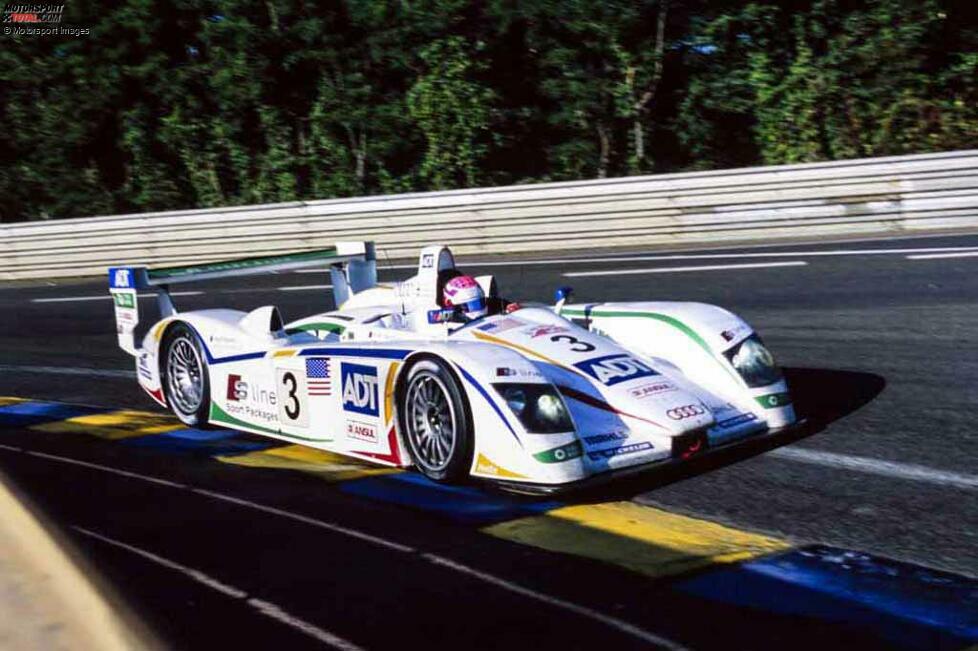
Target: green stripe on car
664	318
312	327
563	453
221	417
773	400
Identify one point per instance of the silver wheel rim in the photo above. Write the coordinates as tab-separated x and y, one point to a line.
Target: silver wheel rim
184	375
430	421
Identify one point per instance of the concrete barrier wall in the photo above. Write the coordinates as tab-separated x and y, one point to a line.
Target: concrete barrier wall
904	193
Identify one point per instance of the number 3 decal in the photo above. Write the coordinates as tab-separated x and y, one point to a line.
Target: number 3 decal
577	345
291	398
292	411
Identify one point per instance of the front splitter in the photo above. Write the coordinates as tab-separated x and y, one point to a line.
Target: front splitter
655	467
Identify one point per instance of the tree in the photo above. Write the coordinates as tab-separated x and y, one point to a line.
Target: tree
193	103
452	111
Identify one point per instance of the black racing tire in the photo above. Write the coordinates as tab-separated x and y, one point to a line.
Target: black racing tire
184	377
436	424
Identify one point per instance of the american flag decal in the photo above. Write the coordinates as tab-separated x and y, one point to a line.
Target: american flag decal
317	376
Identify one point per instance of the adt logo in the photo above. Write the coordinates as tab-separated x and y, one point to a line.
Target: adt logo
359	389
612	369
121	278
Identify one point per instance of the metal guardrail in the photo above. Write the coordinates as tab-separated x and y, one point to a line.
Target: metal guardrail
903	193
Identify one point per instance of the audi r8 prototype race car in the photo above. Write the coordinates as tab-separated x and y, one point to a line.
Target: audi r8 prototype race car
536	397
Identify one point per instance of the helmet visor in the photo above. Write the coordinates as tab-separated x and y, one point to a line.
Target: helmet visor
475	305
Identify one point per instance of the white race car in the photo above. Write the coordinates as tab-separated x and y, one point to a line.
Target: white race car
542	398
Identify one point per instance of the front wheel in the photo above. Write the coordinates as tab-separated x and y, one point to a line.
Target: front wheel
436	423
184	376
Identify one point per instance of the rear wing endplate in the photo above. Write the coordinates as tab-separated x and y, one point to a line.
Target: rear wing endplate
352	266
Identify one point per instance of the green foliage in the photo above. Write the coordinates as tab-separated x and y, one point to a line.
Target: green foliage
187	103
453	113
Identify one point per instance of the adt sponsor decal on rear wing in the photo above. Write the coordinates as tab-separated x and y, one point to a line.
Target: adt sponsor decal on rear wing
124	282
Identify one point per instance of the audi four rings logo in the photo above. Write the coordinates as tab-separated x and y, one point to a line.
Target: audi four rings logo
686	411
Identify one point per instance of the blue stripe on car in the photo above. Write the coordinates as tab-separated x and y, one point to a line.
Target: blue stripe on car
358	352
489	399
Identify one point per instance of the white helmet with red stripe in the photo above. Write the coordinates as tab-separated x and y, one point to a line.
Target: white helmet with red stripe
464	292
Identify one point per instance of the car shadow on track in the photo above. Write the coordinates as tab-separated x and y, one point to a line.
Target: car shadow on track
821	397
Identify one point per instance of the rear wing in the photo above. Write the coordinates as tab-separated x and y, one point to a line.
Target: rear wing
352	267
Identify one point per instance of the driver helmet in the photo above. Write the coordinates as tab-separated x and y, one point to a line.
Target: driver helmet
463	292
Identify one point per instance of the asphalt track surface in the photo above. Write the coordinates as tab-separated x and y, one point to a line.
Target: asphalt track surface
879	349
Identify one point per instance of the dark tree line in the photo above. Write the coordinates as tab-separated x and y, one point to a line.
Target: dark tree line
189	103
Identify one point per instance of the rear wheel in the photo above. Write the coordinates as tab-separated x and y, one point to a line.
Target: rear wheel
184	376
436	423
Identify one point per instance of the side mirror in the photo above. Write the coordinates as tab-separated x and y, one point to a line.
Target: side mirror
561	296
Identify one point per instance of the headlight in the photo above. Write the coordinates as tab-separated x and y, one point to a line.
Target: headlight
754	362
538	406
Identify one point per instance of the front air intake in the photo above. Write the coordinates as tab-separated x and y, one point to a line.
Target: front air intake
690	444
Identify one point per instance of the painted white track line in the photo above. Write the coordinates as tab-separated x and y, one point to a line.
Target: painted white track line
677	256
69	370
613	622
108	469
666	270
102	297
941	256
346	531
264	607
300	288
878	467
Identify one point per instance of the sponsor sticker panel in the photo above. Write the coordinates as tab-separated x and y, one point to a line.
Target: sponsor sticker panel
685	411
652	389
572	450
610	370
359	389
507	323
737	420
361	432
250	401
601	439
621	450
292	404
543	330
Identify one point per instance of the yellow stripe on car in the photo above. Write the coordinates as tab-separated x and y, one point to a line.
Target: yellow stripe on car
523	349
485	466
640	538
389	392
160	327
